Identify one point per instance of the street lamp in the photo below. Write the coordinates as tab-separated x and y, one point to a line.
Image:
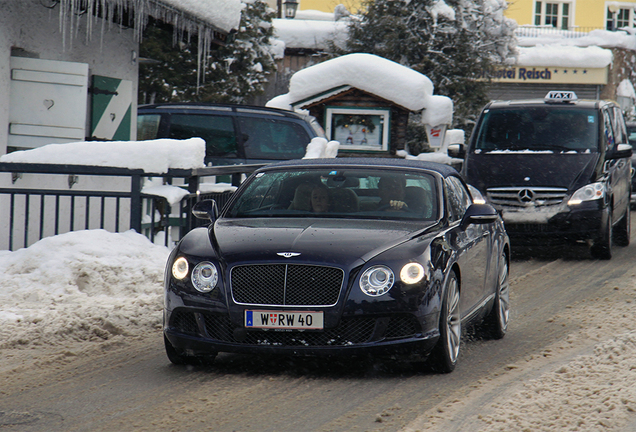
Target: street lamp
290	7
613	7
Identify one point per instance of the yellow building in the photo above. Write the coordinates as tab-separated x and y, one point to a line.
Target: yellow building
582	15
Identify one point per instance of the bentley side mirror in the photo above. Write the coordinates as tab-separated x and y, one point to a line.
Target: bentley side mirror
479	214
206	209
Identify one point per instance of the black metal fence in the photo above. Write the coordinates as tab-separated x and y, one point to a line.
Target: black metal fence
107	198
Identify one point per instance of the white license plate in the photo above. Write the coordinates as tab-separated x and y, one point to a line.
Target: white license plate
283	319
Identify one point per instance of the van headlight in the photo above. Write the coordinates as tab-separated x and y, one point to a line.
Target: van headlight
376	280
589	192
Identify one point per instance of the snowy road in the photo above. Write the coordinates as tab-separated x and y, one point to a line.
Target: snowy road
545	375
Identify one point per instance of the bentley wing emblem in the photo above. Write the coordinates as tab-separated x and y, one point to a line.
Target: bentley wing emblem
288	254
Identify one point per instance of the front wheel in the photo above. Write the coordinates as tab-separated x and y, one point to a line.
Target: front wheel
443	358
496	323
602	247
622	229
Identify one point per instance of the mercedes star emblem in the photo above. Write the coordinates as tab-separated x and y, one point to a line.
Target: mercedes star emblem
526	196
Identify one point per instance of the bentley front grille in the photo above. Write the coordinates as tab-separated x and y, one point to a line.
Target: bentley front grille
519	197
286	285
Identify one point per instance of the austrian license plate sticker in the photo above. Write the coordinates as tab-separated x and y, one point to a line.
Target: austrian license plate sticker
283	320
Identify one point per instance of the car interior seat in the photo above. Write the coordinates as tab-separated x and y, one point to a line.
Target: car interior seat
343	200
302	197
418	199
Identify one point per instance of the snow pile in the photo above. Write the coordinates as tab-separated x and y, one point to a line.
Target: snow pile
626	89
319	148
172	194
440	8
80	286
153	156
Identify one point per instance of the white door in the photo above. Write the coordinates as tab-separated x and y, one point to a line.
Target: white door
48	102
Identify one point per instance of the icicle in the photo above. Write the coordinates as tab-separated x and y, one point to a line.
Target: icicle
113	11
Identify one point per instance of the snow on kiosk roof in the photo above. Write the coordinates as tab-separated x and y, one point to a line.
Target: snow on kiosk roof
379	76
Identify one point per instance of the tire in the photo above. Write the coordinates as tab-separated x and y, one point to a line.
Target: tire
622	229
602	247
496	323
444	356
178	358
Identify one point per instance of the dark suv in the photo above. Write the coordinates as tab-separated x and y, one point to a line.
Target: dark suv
234	134
557	168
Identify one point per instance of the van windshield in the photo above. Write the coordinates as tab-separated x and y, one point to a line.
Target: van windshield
545	128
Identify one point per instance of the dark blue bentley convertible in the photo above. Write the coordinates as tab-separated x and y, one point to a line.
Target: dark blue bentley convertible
339	256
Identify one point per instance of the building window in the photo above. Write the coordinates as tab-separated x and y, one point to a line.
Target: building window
623	17
555	14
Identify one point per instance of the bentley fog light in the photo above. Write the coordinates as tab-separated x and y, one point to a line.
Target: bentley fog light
376	281
180	268
589	192
205	276
412	273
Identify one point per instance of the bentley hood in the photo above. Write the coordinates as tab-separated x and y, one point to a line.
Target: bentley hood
309	240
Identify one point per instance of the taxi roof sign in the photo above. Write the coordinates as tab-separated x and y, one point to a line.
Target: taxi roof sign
560	96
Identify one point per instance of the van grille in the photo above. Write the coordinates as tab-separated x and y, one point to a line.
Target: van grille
286	285
520	197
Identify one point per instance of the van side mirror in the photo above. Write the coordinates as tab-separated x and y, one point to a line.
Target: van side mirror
457	151
479	214
621	151
206	209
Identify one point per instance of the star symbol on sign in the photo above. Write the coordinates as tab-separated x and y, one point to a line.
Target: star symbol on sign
575	71
565	71
584	71
556	71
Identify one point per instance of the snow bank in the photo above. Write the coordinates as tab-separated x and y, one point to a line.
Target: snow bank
153	156
80	286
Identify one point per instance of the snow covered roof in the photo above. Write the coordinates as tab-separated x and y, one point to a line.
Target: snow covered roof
531	36
310	34
537	47
367	72
211	19
564	56
222	14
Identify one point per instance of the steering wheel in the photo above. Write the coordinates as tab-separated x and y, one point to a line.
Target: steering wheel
405	207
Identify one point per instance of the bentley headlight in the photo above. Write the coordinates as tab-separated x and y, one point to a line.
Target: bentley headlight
412	273
376	280
180	268
589	192
205	276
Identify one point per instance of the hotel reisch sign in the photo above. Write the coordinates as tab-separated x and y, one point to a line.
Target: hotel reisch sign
548	75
